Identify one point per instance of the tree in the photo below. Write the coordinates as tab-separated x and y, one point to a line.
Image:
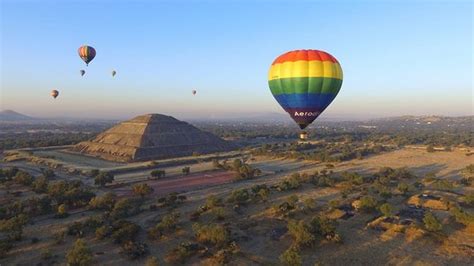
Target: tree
79	254
431	223
103	178
386	209
142	189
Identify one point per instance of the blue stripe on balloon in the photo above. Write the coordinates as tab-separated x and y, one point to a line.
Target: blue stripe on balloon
305	100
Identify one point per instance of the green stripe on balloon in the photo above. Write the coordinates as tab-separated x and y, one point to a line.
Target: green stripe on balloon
305	85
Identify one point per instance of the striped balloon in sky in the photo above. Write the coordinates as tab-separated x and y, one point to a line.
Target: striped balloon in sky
305	82
87	53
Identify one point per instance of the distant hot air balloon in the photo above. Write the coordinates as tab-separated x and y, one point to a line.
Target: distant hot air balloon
54	93
194	92
87	53
304	83
113	73
82	72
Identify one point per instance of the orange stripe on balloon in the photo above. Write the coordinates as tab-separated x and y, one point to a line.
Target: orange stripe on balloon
307	55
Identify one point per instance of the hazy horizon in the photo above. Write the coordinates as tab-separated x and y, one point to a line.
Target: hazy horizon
398	58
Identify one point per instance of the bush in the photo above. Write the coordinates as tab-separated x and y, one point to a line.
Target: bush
40	185
291	257
469	199
124	208
212	233
368	204
430	148
322	226
62	211
23	178
431	223
48	173
403	187
186	170
301	233
152	261
103	178
212	201
289	184
142	189
79	254
386	209
124	231
134	250
104	202
181	253
240	196
5	246
461	216
156	174
46	254
168	222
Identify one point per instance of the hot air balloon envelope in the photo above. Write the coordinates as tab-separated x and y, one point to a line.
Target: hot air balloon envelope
54	93
82	72
194	92
87	53
113	73
304	83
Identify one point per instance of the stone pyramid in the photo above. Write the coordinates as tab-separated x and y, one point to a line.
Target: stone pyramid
150	137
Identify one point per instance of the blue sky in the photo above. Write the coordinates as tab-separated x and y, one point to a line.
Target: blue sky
398	57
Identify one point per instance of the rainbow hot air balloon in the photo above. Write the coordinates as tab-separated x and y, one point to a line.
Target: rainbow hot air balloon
87	53
54	93
304	83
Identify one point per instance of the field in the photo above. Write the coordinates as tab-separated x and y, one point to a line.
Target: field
256	228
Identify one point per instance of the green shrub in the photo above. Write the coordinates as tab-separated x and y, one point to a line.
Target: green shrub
152	261
291	257
79	254
368	203
431	222
23	178
461	216
386	209
239	196
103	178
322	226
211	233
124	231
300	233
134	250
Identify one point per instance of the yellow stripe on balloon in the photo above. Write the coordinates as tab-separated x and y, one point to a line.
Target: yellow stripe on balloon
303	68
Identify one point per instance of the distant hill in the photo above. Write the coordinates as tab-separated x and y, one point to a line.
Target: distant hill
10	115
428	119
